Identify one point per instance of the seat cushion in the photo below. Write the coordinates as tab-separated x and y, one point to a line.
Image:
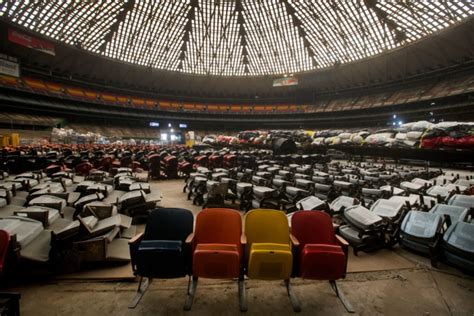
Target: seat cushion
294	191
322	262
217	261
160	259
269	261
261	192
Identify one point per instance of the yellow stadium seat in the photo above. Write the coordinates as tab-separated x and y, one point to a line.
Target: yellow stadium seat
270	261
268	245
269	248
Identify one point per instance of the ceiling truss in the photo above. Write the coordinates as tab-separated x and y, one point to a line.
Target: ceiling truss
236	37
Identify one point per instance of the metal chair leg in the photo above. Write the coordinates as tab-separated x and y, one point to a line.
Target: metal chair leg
142	287
192	285
342	297
10	300
242	295
293	299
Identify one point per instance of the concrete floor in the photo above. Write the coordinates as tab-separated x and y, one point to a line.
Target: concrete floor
421	290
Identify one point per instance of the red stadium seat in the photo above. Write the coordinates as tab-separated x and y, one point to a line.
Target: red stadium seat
322	255
4	244
9	302
84	168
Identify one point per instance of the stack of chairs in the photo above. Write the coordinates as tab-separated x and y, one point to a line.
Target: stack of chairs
445	233
64	222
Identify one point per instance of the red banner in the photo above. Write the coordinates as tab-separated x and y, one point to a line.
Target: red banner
31	42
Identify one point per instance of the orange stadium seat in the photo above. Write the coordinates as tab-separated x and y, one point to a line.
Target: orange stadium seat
138	102
108	97
150	103
75	92
175	106
164	105
122	99
188	106
55	87
213	108
235	108
217	249
90	95
200	107
35	84
9	81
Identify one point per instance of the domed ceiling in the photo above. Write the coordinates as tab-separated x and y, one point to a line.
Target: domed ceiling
236	38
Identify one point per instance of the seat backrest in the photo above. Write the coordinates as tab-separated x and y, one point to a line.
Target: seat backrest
219	226
312	227
266	226
169	224
4	242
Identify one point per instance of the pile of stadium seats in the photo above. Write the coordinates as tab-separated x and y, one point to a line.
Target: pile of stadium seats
449	135
72	210
420	134
368	202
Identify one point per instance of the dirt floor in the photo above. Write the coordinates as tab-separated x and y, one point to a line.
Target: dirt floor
385	283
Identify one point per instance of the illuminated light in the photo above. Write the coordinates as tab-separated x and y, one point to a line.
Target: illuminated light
394	116
400	122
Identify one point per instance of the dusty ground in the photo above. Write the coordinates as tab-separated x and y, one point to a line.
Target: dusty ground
419	290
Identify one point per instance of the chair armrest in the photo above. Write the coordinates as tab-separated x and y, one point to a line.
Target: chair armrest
135	238
190	238
294	241
342	241
243	239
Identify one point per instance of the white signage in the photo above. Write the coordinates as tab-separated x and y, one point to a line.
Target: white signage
9	68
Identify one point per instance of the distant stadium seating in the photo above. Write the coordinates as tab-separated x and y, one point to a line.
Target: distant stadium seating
444	88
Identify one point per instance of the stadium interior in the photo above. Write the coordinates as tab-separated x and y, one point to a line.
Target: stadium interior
224	157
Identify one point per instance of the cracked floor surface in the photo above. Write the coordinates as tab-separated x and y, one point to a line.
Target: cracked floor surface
418	291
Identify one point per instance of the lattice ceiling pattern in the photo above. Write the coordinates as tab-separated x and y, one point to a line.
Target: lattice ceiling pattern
240	37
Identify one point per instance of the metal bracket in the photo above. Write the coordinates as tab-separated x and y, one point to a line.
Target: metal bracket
293	299
142	287
242	296
342	297
192	285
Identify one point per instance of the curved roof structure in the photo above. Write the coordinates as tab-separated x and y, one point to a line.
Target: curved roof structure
236	38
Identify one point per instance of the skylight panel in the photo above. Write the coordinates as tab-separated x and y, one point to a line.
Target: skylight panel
279	36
